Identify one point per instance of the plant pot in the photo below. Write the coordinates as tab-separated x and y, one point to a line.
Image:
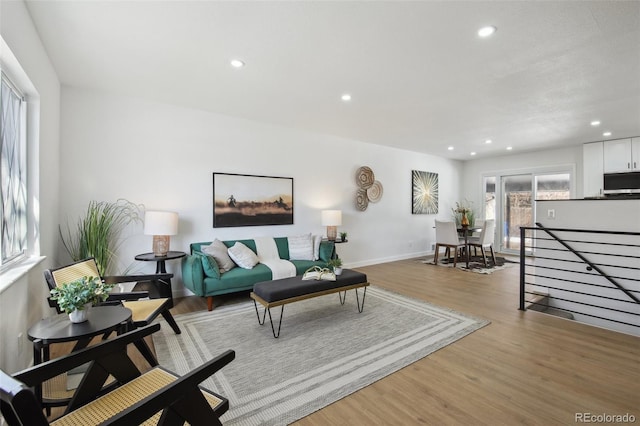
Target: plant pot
337	271
77	316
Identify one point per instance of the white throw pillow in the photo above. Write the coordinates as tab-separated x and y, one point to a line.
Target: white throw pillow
316	246
243	256
218	251
300	247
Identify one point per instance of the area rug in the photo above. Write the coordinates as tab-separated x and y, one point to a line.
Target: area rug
476	264
325	352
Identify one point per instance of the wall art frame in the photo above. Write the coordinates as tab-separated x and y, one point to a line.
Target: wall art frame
424	192
251	200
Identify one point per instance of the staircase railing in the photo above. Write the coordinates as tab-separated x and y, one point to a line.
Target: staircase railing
594	275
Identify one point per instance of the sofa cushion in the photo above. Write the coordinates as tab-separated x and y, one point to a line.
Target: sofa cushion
317	239
218	251
300	247
237	279
243	256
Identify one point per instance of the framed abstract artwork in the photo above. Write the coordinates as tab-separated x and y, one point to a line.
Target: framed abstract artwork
249	200
424	192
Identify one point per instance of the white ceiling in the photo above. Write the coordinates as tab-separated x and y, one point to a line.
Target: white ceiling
420	77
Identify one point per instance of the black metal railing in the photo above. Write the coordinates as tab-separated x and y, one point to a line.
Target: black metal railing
592	275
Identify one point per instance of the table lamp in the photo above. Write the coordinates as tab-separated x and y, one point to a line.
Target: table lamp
161	225
332	219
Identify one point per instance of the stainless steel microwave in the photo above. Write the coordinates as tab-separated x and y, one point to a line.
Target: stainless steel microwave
622	183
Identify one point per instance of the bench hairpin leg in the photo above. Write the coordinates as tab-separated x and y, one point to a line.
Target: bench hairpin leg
343	296
279	324
258	314
361	308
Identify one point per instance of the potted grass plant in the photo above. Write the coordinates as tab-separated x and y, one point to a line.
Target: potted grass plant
76	297
336	265
97	233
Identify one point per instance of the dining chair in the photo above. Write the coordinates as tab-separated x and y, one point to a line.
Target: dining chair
447	236
485	240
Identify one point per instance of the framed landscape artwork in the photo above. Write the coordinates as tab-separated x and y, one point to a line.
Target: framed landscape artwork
248	200
424	191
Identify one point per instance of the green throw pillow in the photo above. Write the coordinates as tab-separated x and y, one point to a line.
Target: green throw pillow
327	248
210	266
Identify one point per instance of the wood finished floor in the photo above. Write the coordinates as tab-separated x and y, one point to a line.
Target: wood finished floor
523	368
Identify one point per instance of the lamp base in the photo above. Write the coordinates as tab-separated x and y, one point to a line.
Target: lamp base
160	245
332	233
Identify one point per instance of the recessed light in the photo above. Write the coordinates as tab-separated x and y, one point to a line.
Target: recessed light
473	153
237	63
487	31
509	148
450	148
606	134
346	97
595	123
488	141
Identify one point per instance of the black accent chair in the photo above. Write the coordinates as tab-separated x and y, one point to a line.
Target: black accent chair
143	311
157	396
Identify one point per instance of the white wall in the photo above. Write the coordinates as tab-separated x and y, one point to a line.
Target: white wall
163	156
23	303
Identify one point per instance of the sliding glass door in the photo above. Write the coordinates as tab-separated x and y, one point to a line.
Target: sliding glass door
510	200
517	209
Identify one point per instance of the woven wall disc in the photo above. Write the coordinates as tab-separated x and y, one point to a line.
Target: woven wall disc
365	177
361	199
374	193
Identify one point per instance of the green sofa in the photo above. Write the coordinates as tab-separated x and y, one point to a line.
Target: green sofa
201	274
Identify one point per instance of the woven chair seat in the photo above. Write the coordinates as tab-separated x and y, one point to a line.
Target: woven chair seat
144	310
56	388
105	407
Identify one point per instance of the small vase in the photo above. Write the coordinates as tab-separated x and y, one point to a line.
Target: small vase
464	221
80	316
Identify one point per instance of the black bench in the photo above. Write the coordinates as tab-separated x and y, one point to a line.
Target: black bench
288	290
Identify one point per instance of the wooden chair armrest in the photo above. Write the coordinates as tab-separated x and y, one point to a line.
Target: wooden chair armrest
42	372
132	295
193	408
117	279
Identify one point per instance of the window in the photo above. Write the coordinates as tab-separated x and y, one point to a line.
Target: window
13	172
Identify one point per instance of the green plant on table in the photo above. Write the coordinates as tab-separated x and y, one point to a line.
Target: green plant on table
97	233
464	208
75	295
343	236
334	263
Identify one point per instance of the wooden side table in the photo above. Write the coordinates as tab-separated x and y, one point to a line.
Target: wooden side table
57	329
161	291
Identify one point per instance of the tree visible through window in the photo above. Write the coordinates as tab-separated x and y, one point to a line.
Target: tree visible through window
13	173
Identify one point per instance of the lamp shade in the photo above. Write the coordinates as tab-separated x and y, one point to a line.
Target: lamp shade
160	223
332	217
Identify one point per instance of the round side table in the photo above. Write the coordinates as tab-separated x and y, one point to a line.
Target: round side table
164	290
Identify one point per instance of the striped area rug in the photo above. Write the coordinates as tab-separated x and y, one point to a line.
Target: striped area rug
325	352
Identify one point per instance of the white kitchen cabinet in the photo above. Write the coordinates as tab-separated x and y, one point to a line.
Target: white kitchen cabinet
622	155
592	169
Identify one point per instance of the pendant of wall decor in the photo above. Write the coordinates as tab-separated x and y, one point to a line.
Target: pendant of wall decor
374	192
369	189
362	202
365	177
